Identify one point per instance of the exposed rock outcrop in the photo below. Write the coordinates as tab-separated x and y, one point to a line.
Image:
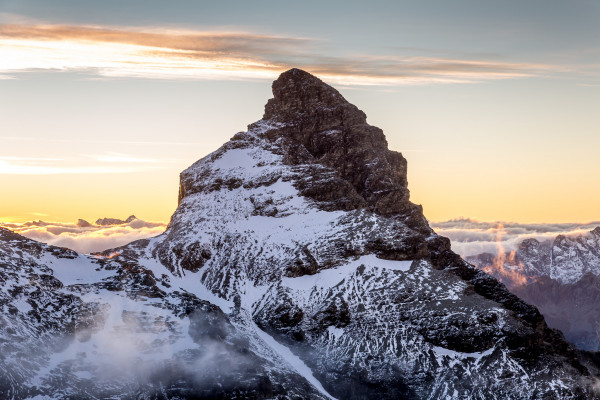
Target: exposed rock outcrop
82	223
115	221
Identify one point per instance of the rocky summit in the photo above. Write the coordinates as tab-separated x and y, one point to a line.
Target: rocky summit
295	267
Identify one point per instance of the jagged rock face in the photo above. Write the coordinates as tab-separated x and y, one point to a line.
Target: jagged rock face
113	221
104	326
295	243
557	276
314	125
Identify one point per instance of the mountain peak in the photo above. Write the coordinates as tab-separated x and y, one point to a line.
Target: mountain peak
299	96
316	125
296	254
82	223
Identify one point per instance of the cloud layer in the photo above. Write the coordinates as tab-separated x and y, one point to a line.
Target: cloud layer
87	239
176	54
470	237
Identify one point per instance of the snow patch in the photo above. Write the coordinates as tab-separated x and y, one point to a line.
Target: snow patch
329	278
454	356
80	270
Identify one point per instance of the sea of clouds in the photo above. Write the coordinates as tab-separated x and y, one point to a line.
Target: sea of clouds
471	237
87	239
468	236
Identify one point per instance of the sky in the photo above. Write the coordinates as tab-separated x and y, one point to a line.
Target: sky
494	104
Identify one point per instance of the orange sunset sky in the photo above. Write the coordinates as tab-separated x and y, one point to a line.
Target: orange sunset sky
495	106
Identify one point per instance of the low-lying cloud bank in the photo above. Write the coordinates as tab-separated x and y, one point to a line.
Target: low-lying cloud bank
87	237
471	237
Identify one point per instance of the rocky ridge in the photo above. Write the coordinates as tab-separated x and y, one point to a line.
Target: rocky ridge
113	221
295	252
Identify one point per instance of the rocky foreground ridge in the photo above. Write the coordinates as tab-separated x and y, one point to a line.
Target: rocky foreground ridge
295	267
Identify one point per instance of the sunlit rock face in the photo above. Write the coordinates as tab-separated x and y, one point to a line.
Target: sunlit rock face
560	277
294	267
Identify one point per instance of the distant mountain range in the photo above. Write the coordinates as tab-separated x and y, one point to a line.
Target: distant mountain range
560	277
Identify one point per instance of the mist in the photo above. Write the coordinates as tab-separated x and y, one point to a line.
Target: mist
134	347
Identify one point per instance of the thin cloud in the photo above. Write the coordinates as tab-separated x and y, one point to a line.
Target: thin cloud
471	237
38	214
18	138
34	168
112	157
209	42
109	163
179	54
37	159
115	142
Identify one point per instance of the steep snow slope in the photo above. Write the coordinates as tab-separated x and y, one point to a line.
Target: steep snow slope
294	267
95	327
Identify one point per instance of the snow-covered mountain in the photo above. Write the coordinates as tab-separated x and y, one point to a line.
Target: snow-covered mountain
295	267
561	277
566	258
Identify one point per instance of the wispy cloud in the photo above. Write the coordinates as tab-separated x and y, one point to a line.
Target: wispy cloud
38	214
471	237
180	54
109	163
114	142
7	168
112	157
34	159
